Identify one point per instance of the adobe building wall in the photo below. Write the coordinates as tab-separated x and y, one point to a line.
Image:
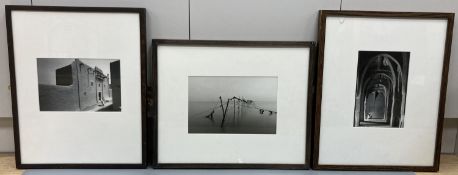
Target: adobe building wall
98	90
86	81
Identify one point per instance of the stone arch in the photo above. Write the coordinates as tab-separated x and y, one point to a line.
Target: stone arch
381	75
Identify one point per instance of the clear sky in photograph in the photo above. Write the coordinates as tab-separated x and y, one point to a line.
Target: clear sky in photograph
47	67
209	88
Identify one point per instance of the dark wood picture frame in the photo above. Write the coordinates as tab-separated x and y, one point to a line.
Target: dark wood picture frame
376	14
153	120
141	12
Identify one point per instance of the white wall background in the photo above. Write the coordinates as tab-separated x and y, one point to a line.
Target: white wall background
294	20
6	123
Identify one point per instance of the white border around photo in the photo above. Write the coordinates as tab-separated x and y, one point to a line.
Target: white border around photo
74	137
177	62
345	34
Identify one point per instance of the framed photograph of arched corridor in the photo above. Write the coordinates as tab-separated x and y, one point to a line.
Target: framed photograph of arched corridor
381	89
381	85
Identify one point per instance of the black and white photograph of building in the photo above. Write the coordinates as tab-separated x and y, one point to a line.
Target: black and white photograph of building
381	89
74	84
232	104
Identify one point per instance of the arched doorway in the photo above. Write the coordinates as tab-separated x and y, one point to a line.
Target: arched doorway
381	89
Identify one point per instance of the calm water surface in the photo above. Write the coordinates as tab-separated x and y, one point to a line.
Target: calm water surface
241	118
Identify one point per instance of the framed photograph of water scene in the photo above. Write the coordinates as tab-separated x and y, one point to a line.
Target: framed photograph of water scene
232	104
78	83
381	87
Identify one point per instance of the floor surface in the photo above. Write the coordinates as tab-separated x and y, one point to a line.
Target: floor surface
448	166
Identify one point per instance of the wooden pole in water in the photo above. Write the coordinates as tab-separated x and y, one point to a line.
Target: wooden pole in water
224	110
234	112
221	104
239	115
242	102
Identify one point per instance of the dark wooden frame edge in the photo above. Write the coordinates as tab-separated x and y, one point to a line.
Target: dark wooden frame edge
377	14
219	43
142	15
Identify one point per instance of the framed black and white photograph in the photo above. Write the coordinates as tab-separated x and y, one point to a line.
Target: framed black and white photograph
249	105
66	84
78	83
381	89
382	79
232	104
